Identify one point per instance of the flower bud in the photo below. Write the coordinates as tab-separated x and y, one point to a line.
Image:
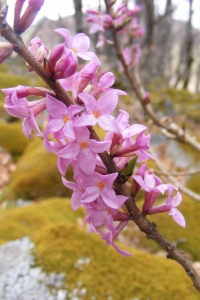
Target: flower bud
21	24
38	50
6	50
61	63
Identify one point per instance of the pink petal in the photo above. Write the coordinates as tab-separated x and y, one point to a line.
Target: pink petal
177	216
90	195
110	198
55	108
87	161
108	122
98	147
107	103
70	151
66	35
81	42
89	56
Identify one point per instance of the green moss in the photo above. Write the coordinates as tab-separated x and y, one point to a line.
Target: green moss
36	174
18	222
60	246
183	102
12	137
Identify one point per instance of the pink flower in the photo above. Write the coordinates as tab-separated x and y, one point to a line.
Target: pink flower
38	49
21	108
101	186
170	203
98	111
6	50
61	117
100	21
103	85
61	63
84	149
146	180
79	45
110	236
23	22
78	192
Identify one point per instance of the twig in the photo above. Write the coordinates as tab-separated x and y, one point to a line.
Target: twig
170	129
142	222
182	188
140	219
184	173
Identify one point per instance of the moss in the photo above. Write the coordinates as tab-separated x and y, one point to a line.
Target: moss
187	239
177	98
36	174
60	244
12	137
18	222
59	247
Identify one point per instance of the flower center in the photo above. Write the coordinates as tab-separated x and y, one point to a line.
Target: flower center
66	118
101	185
96	114
84	145
74	50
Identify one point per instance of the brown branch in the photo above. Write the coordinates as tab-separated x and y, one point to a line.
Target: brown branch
171	129
181	173
182	188
141	221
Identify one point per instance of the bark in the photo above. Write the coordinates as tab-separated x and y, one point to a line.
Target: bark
163	49
188	47
149	17
78	15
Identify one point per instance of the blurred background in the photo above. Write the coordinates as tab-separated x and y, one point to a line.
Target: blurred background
58	259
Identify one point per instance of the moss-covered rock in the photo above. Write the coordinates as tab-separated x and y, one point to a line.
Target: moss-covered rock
18	222
12	138
164	97
103	272
62	246
36	174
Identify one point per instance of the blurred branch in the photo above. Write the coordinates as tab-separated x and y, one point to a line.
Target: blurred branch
169	128
185	173
182	188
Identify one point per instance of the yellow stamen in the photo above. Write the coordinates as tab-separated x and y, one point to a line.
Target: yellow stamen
96	114
84	145
66	118
74	50
101	185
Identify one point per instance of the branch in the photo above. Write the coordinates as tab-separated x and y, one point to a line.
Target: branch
182	188
183	173
170	129
140	219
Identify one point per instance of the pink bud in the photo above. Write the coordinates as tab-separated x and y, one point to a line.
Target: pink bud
21	24
61	63
6	50
38	50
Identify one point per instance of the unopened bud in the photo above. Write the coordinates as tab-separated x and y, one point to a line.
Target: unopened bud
6	50
21	24
38	50
61	63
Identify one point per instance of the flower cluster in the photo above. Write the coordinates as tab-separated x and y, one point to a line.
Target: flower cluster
126	24
68	135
